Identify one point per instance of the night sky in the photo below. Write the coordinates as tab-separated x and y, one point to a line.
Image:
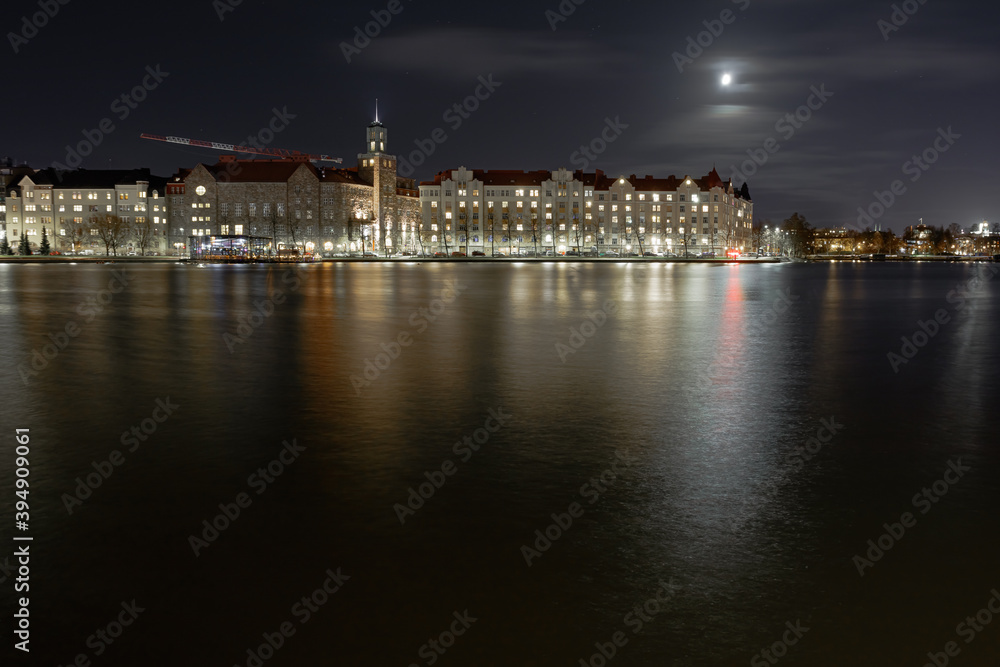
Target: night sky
895	90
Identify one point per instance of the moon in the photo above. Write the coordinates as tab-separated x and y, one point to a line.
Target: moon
726	79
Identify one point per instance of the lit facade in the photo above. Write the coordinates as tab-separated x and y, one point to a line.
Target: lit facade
368	208
68	203
516	212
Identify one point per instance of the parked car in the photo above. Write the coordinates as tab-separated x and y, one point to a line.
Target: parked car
498	254
590	253
458	254
440	254
572	253
649	254
408	253
610	253
478	253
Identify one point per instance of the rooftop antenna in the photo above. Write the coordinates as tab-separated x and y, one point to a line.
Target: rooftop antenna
376	109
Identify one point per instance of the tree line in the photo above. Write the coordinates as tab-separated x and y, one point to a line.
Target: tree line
795	236
112	231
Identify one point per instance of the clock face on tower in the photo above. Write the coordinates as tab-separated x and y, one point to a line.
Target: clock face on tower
200	190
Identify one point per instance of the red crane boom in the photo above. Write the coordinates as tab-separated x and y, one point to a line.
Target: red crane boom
276	152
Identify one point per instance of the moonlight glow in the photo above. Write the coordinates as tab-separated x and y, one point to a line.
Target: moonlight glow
726	79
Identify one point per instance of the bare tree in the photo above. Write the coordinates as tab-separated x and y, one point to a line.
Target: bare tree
728	234
687	236
640	235
420	235
273	221
535	230
294	229
112	231
508	225
577	231
491	218
757	235
143	233
79	234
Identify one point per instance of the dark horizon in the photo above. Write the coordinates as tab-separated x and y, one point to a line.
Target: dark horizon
881	93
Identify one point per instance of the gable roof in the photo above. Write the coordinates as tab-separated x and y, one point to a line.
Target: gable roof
596	179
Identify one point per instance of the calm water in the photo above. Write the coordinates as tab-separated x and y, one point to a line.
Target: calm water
704	379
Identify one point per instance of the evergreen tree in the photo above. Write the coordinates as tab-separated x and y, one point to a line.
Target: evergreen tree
25	247
44	248
5	248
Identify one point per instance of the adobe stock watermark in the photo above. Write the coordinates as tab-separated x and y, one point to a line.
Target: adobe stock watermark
561	523
223	7
898	18
263	309
259	481
303	610
580	334
794	462
927	330
915	167
968	630
421	320
609	134
133	438
725	365
122	107
714	28
923	501
635	620
562	13
89	309
435	648
779	649
455	116
786	126
264	136
364	35
465	449
31	25
279	123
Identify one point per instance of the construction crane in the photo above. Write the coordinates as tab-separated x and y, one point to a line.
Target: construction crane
276	152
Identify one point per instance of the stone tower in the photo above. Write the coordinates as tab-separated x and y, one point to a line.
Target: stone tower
377	167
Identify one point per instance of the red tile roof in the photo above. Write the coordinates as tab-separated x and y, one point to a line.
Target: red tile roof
596	179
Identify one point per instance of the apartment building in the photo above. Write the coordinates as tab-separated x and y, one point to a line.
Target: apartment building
560	211
67	204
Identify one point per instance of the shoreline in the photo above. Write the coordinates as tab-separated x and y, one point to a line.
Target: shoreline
61	259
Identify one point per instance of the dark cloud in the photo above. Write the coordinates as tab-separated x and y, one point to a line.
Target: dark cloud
607	60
